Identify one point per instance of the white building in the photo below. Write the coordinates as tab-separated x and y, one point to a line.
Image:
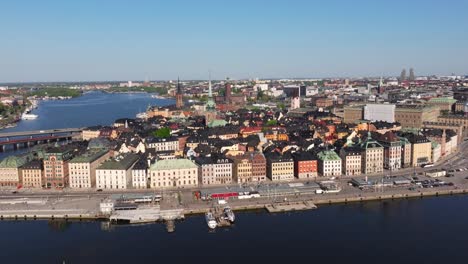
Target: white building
140	175
311	91
116	173
380	112
261	87
329	163
214	170
173	173
82	169
295	102
164	144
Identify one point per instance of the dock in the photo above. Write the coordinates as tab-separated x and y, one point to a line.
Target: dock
290	206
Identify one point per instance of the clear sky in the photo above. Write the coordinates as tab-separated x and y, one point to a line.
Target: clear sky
88	40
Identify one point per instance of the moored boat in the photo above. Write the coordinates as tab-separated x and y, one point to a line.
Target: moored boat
210	220
229	214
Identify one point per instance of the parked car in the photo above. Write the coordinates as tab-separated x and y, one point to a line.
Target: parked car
99	190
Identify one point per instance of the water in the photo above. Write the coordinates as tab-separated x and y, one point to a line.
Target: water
430	230
93	108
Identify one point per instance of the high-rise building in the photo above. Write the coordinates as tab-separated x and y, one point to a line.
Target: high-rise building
403	75
412	77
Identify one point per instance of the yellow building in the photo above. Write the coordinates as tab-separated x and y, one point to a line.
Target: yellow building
31	174
173	173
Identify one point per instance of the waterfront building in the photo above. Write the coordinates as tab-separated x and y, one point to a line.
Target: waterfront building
305	165
249	167
421	149
380	112
116	173
214	170
140	174
56	169
413	116
372	155
447	139
406	149
163	144
83	168
10	170
173	173
31	174
280	167
329	163
351	158
392	150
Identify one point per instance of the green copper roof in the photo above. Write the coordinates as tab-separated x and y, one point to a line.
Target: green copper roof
12	162
328	155
442	100
119	163
89	156
173	164
217	123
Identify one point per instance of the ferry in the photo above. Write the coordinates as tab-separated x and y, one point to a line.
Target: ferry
142	115
210	220
27	116
229	214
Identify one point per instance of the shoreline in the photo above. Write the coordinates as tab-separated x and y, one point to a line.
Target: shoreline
284	207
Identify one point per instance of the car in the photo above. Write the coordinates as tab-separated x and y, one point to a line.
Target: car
451	171
449	175
14	192
412	188
415	178
99	190
42	131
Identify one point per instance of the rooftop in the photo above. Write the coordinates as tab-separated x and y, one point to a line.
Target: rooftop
89	156
119	163
173	164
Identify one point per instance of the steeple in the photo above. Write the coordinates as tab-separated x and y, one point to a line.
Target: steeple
179	90
179	96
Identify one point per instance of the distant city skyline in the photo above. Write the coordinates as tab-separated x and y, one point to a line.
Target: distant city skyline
57	41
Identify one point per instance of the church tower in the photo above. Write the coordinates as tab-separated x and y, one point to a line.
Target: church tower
179	96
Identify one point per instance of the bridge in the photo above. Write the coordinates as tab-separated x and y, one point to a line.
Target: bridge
39	132
29	138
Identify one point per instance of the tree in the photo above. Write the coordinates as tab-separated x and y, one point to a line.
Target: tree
403	75
164	132
412	77
271	122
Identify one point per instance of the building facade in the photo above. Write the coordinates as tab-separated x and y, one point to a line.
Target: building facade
249	167
372	155
10	171
305	165
329	163
174	173
32	174
56	169
351	158
280	167
116	174
83	169
140	174
164	144
413	116
214	170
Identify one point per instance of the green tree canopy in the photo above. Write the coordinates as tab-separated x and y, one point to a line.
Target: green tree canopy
164	132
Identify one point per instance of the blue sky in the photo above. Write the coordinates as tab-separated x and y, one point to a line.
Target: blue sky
90	40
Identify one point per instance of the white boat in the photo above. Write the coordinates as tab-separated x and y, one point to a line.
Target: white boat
26	116
229	214
210	220
142	115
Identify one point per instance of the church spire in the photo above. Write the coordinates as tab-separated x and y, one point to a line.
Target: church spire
179	90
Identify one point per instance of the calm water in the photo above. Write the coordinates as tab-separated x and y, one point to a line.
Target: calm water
431	230
94	108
